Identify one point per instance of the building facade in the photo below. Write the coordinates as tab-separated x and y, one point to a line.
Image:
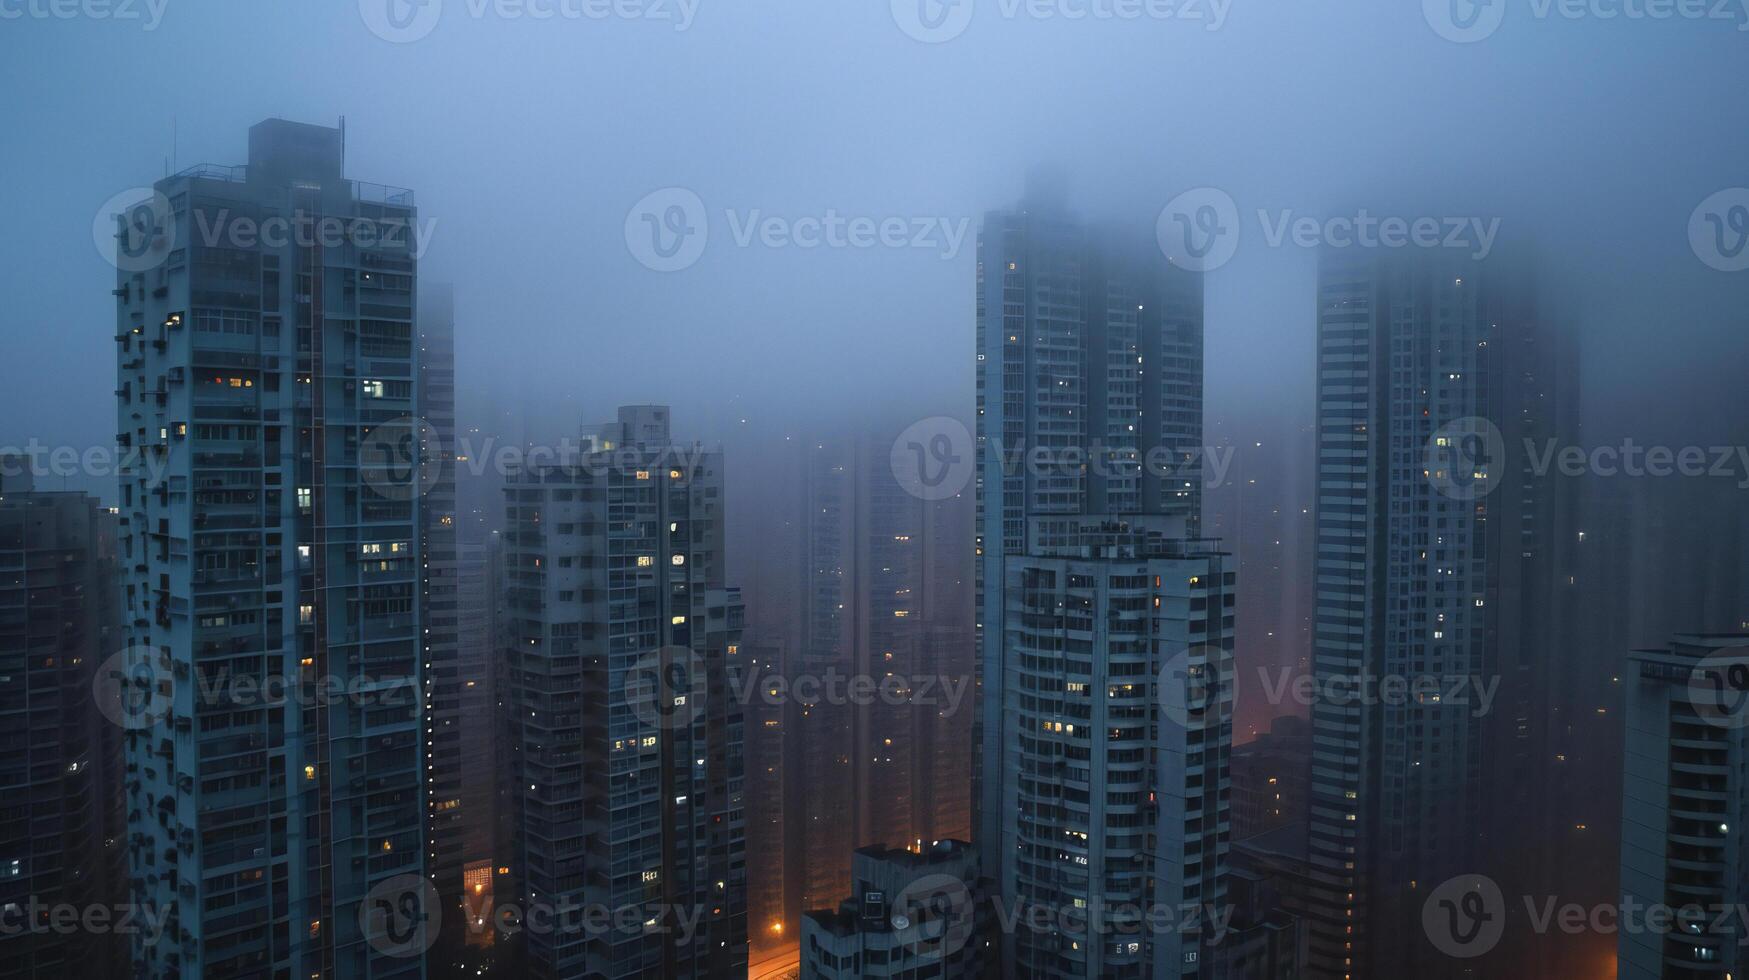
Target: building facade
61	829
1441	559
447	812
1119	693
1685	798
620	642
922	914
270	531
1088	347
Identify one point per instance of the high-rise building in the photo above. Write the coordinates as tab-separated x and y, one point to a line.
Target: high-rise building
620	645
1118	688
61	830
920	914
481	720
447	812
1441	558
775	784
878	590
266	373
1098	610
1089	348
1685	798
1269	778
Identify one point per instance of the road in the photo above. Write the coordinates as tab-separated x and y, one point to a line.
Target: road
780	967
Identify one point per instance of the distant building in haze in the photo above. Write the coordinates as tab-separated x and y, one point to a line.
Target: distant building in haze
627	790
62	831
1442	558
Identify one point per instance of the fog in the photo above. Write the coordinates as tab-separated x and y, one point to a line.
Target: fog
528	140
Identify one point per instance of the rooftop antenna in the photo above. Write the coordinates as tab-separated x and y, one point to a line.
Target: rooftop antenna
342	146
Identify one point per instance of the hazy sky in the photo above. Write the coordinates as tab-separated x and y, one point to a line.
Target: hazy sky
528	141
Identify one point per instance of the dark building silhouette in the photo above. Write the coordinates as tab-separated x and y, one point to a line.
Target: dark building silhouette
61	824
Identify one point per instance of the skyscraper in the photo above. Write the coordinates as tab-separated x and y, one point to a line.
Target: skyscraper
1104	625
1088	347
1435	373
883	580
1118	692
448	815
270	532
622	638
61	829
1684	800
